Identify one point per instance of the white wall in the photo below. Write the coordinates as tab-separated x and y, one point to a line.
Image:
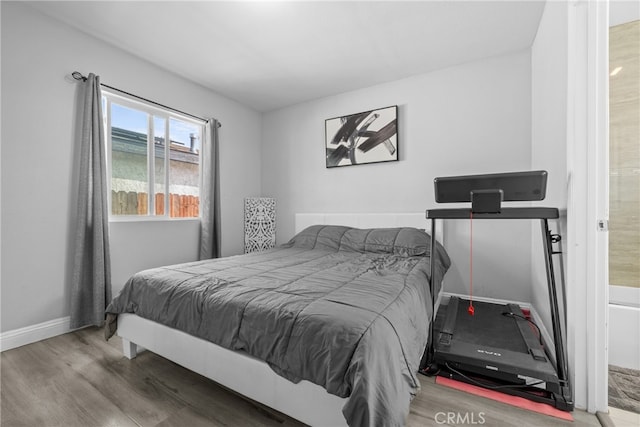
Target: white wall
472	118
38	154
549	135
623	11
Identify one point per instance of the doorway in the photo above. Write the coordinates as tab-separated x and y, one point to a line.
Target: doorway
624	210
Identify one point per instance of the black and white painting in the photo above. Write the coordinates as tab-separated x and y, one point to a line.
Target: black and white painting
367	137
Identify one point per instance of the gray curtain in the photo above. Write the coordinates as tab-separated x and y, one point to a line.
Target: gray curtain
91	278
210	193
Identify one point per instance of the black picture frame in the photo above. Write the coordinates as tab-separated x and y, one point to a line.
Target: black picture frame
362	138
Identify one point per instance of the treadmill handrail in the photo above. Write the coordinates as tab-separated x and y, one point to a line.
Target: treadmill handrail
505	213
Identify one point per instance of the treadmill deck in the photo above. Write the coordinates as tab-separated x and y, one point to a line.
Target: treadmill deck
490	342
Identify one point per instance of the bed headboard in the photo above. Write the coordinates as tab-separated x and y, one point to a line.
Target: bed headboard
369	220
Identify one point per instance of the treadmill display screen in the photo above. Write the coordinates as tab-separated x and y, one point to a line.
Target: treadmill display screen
515	186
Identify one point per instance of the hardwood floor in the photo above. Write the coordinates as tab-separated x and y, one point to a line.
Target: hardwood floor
78	379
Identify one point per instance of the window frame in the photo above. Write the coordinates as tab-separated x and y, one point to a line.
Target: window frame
111	96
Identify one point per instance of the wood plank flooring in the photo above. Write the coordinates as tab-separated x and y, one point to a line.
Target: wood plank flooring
78	379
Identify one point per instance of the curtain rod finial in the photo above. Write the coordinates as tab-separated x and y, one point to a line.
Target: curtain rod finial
78	76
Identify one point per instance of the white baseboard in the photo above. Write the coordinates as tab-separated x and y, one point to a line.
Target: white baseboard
34	333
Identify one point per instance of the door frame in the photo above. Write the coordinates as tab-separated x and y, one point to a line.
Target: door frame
588	201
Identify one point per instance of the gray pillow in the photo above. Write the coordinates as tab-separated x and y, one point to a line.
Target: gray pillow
404	241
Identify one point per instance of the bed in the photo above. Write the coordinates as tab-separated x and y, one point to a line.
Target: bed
328	328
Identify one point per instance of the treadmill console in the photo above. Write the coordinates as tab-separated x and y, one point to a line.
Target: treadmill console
487	192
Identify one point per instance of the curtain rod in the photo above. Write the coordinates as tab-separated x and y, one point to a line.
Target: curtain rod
78	76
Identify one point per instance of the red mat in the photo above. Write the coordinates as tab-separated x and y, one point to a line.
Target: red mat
517	401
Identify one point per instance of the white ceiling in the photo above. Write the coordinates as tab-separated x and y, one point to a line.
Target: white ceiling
623	11
269	54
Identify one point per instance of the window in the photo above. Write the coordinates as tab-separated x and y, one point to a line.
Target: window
151	151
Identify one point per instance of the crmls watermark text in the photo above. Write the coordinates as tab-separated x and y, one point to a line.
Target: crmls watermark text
460	418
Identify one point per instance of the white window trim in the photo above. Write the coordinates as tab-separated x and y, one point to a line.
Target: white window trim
152	111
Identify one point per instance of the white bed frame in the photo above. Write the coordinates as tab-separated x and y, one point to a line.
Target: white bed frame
237	370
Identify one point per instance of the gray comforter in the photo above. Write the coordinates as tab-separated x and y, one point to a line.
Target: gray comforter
344	308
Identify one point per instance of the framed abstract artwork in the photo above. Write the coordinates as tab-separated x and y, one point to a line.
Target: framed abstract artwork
367	137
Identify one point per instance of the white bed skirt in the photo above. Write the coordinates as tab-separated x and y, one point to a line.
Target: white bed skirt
247	375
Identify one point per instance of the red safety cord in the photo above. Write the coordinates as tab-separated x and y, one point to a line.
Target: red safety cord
471	310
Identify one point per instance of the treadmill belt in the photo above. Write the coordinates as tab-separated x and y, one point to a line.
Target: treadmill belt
488	327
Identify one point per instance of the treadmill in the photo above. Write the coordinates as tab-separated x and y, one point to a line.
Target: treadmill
499	347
